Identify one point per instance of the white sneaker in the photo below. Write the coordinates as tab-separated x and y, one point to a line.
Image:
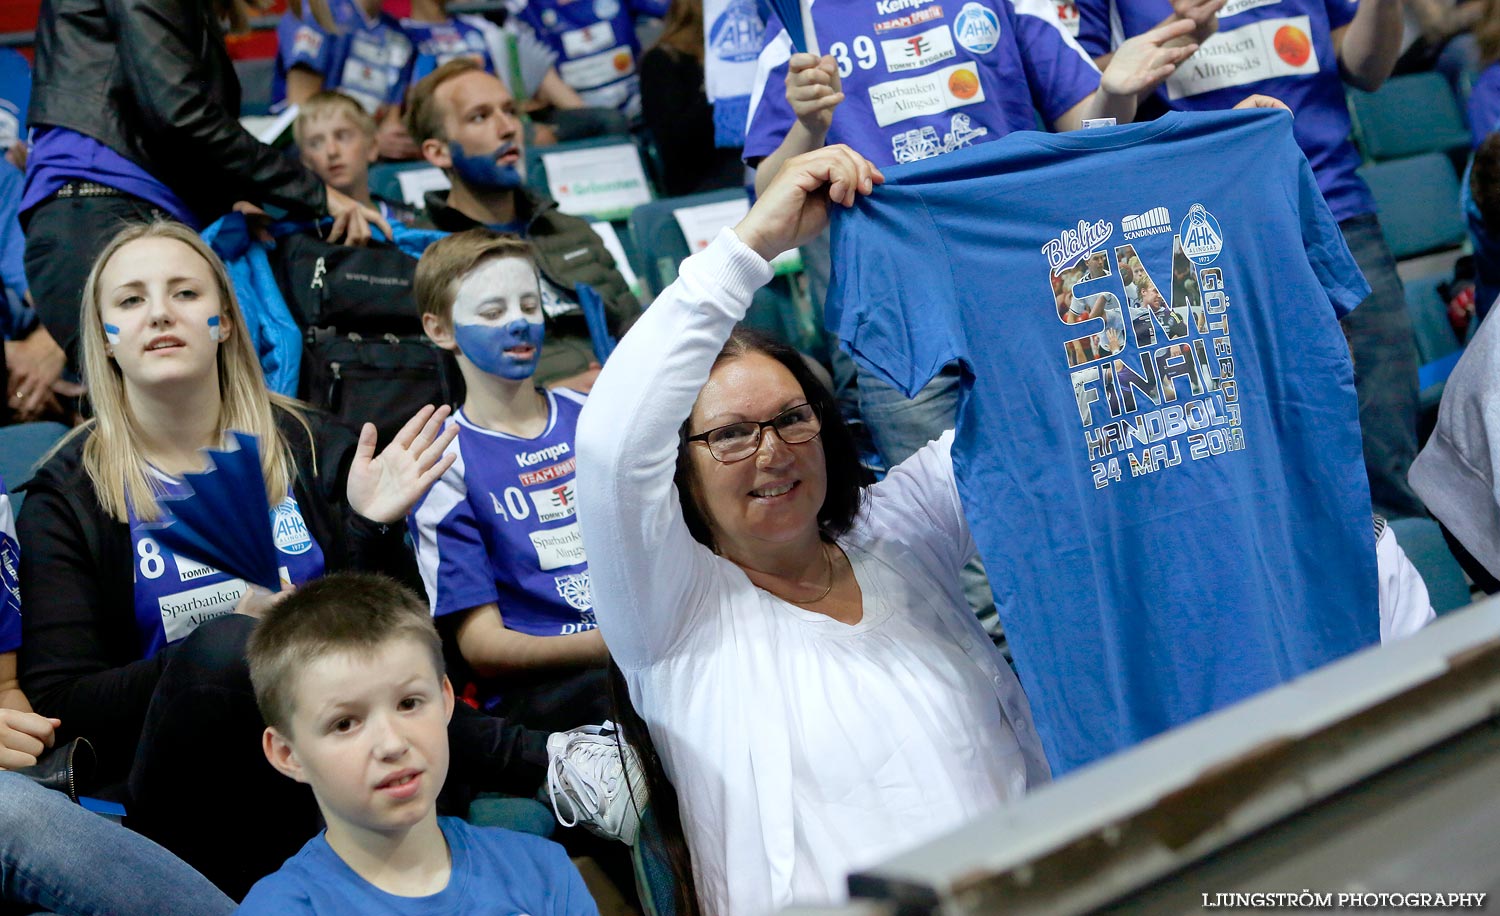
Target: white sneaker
594	778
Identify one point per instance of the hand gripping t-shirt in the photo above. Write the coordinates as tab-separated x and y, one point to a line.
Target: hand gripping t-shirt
596	45
501	526
367	59
10	577
176	594
1173	509
925	77
1281	48
495	873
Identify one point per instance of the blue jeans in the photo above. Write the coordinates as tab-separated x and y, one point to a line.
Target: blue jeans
1385	370
901	426
64	859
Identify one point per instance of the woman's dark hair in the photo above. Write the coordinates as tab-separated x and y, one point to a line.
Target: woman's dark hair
847	478
667	841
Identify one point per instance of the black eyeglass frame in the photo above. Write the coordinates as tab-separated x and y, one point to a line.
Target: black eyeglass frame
760	432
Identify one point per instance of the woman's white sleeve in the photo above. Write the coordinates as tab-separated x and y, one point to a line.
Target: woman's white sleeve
647	573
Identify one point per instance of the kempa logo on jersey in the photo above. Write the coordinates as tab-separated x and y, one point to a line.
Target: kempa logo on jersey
1073	244
890	7
550	453
916	51
931	14
1152	222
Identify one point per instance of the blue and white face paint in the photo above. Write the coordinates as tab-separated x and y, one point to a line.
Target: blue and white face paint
111	334
497	318
214	331
484	172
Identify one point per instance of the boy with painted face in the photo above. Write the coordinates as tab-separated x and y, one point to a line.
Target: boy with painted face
497	536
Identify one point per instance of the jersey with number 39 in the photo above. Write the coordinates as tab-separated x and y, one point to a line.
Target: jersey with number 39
925	77
1282	48
501	526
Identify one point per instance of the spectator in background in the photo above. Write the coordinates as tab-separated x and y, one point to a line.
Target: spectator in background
360	51
1314	46
521	61
135	111
1481	200
466	124
675	107
1484	98
336	138
32	362
15	90
596	46
1437	36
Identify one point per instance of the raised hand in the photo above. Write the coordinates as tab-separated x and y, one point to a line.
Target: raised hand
1141	63
1203	14
814	90
794	208
384	487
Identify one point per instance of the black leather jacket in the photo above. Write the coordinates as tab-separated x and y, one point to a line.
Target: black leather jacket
150	79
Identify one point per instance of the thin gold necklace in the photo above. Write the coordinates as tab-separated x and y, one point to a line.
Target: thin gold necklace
827	590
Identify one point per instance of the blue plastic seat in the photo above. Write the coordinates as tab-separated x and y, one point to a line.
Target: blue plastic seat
21	447
1407	116
1418	200
1422	540
1438	348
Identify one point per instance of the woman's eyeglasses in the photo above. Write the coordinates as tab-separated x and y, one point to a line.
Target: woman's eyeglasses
739	441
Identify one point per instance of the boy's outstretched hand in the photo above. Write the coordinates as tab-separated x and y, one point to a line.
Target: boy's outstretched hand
794	207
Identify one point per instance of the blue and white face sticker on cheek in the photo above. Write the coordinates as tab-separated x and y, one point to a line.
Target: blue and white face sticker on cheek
111	334
215	331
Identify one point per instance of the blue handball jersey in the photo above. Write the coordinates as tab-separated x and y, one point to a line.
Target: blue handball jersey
1172	506
596	46
368	60
10	577
436	43
501	526
1282	48
925	77
175	594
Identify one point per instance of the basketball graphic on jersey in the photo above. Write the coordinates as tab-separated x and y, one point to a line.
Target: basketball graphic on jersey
1292	45
963	84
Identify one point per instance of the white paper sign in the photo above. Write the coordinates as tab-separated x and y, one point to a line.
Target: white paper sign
611	240
702	223
605	182
415	183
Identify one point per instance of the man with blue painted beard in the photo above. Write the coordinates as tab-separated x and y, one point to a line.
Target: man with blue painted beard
465	122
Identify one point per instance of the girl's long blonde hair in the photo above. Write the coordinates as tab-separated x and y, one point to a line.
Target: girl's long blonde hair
112	452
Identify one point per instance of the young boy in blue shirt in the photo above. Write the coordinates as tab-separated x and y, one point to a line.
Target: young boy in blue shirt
348	674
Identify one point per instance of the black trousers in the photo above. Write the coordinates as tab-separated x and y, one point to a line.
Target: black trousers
201	786
64	237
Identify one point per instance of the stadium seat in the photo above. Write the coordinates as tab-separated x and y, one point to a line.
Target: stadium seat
1422	540
1438	348
255	85
1407	116
21	447
1418	201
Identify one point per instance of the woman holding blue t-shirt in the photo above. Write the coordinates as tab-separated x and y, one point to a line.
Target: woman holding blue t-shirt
142	650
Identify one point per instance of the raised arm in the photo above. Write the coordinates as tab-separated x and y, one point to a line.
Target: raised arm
648	574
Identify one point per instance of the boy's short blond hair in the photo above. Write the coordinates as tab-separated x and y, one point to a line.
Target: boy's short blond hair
342	612
448	260
325	104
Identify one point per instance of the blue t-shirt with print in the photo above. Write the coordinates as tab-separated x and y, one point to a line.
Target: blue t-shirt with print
501	526
1172	511
1281	48
436	43
597	50
367	59
10	577
923	77
175	594
495	872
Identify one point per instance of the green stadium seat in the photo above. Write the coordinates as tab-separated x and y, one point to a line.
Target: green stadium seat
1418	201
1422	541
1407	116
